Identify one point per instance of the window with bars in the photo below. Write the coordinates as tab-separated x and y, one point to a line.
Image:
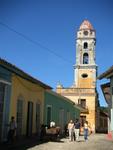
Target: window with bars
19	116
82	102
48	115
37	117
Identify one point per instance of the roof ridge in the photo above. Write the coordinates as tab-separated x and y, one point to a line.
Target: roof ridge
21	73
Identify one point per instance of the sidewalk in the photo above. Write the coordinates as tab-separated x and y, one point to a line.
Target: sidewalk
22	143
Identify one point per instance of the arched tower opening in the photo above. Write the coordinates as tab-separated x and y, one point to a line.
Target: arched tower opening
85	45
85	58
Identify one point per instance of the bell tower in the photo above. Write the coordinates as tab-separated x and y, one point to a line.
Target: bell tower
85	67
83	92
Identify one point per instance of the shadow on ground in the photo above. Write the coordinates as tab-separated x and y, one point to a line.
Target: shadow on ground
24	144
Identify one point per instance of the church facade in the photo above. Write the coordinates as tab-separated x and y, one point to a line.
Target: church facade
83	92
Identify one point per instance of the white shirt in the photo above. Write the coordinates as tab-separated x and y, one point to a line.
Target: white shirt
85	125
13	125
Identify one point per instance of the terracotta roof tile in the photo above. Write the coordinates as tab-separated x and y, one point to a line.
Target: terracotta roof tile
86	25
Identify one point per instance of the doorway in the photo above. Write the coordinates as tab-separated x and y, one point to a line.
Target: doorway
29	118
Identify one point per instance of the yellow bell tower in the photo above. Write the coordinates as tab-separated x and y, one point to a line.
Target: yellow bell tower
83	92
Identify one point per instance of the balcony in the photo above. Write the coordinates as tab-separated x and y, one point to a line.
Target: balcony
78	91
84	108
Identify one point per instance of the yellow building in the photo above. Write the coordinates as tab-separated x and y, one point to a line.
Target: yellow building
83	91
23	99
27	105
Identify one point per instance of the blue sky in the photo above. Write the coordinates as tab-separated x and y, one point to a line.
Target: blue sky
47	51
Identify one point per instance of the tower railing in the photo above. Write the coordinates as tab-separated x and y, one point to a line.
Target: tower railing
79	90
85	108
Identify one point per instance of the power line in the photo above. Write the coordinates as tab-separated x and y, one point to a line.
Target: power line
34	42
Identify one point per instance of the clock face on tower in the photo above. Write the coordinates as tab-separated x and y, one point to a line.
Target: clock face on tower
85	32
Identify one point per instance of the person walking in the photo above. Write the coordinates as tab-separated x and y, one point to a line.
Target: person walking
86	130
71	130
77	129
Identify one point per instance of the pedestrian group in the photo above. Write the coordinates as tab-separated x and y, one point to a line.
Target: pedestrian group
74	130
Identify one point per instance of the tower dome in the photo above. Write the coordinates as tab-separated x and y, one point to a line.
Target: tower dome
86	25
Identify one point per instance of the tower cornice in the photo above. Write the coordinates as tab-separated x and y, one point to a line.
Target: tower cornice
86	38
85	66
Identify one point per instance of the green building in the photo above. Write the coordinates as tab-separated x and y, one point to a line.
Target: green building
59	109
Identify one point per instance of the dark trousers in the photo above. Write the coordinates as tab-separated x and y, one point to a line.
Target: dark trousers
11	134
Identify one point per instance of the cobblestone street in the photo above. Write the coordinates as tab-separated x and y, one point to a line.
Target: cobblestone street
95	142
